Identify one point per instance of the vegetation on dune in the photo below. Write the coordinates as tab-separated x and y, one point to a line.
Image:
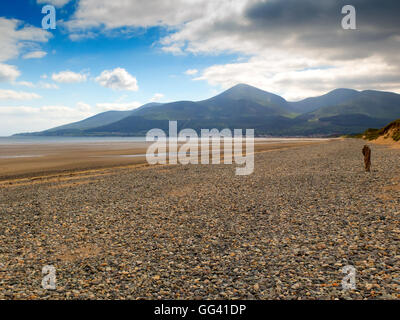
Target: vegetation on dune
392	130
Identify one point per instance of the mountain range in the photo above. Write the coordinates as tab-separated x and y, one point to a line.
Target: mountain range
341	111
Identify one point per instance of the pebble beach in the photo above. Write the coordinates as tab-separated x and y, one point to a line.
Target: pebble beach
201	232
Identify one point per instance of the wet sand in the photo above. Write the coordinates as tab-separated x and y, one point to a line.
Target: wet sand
35	160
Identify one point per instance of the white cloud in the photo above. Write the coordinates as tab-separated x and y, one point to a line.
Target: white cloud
118	106
8	73
295	77
270	36
24	84
40	84
34	55
135	13
187	18
46	85
118	79
17	95
56	3
53	112
58	111
191	72
18	119
19	110
14	36
68	77
157	97
82	36
82	106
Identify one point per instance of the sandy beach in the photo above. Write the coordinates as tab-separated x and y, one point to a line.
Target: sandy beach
200	232
22	160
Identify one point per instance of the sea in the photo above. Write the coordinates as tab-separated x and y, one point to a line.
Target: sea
68	140
13	140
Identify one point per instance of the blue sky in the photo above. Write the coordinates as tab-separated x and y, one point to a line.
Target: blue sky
160	76
118	55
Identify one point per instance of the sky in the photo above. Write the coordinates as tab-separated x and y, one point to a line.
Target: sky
118	55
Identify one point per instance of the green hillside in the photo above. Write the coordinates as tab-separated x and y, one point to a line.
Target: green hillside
341	111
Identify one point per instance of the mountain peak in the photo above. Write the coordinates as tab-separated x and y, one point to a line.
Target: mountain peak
245	88
343	91
331	98
243	85
244	91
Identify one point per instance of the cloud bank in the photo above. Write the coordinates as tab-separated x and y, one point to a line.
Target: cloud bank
286	46
17	95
